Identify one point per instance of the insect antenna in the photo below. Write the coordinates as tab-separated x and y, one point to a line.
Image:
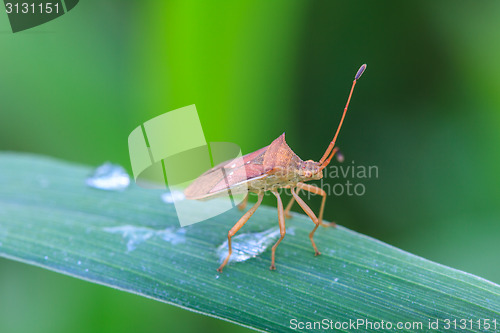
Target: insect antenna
327	157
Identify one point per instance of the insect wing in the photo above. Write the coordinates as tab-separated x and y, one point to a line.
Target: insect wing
227	175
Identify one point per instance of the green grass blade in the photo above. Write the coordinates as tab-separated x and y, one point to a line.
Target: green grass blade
50	218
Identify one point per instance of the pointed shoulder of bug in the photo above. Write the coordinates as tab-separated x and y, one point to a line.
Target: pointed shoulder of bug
283	168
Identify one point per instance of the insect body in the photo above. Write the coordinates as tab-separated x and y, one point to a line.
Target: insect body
269	169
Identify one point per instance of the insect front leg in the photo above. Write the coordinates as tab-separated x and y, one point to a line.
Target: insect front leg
313	217
238	226
281	218
316	190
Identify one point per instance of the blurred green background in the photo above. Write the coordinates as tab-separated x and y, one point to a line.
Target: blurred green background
426	113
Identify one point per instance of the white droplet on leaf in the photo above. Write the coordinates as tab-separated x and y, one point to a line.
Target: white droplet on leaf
109	177
172	196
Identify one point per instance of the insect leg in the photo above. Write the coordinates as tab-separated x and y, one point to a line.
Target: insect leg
243	204
313	217
238	226
281	218
289	206
316	190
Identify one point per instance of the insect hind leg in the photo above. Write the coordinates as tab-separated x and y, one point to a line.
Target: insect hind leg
281	218
238	226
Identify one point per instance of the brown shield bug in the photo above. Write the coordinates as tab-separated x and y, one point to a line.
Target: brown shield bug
269	169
